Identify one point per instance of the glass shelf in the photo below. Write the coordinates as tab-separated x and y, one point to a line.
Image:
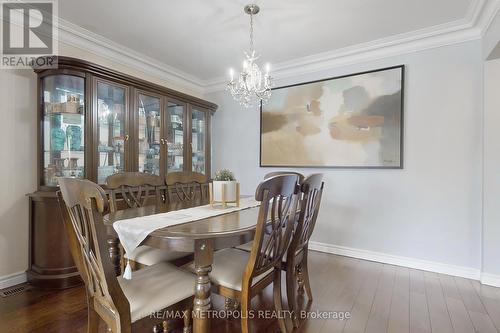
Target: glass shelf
198	131
63	127
111	102
68	151
175	138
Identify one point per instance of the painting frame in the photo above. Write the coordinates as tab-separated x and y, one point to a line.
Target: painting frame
402	68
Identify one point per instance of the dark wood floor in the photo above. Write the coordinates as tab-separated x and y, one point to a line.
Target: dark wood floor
380	298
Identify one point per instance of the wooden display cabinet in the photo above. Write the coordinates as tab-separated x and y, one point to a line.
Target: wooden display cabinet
94	122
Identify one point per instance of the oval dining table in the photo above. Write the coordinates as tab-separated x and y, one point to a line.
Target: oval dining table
202	237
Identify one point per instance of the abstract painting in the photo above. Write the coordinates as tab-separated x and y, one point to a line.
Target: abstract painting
353	121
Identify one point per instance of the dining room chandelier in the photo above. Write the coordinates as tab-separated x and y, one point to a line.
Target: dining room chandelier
251	85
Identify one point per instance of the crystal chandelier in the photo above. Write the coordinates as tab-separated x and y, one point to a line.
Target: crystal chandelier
251	85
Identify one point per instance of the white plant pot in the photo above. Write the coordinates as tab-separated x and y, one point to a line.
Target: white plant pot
230	192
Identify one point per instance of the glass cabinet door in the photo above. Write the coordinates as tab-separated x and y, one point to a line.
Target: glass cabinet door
198	140
111	118
63	120
175	137
149	136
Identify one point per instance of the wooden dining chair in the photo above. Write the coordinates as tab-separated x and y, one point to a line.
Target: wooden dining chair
124	305
248	246
187	189
137	189
241	275
295	264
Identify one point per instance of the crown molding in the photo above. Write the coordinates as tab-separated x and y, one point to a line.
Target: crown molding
79	37
479	16
472	27
488	13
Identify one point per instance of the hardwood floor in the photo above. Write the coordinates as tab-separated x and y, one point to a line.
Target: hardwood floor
379	297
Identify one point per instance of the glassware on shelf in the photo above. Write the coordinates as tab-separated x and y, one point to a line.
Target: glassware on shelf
175	137
74	137
63	127
58	138
198	141
149	134
111	130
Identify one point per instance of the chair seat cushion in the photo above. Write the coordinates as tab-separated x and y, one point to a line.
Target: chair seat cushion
156	287
228	268
147	255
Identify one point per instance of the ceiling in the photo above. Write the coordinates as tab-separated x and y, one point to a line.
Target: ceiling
204	38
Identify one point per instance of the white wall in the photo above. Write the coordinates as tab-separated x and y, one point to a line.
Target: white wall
491	175
17	166
491	227
430	210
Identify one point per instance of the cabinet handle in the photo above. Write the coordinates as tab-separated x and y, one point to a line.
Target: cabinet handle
127	137
162	141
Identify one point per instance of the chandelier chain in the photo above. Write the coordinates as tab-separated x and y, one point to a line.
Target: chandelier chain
251	33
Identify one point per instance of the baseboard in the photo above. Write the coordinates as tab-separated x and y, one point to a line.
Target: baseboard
490	279
12	280
431	266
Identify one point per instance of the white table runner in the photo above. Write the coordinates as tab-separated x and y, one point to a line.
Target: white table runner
133	231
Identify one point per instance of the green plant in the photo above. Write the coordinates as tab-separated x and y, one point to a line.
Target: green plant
224	175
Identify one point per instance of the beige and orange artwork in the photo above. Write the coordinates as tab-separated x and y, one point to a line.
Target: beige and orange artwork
352	121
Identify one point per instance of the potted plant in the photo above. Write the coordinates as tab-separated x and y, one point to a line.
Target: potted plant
224	182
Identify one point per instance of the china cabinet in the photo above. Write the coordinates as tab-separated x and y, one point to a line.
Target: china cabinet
94	122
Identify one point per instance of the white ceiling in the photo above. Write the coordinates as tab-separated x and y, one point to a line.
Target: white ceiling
204	38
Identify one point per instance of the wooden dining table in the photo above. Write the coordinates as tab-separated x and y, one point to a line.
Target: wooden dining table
202	237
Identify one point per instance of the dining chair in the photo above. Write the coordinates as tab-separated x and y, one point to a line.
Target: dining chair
138	189
248	246
295	263
135	189
241	275
124	305
187	189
